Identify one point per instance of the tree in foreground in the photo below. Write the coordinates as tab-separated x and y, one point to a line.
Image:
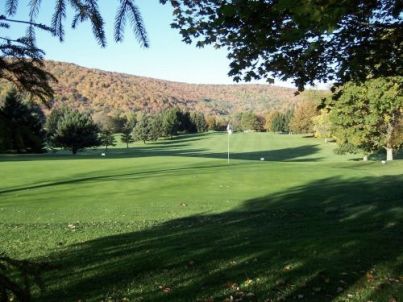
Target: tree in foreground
21	125
75	131
368	116
304	41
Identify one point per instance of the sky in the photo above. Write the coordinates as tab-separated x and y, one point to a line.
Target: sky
167	57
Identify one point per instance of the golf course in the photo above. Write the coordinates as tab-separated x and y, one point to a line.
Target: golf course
286	219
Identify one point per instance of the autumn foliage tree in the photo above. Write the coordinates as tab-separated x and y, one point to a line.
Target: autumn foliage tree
322	126
21	60
301	121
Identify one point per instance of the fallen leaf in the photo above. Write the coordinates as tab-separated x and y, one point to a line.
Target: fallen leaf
167	290
370	276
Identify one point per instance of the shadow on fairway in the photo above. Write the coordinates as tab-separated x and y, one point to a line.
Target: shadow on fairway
89	177
178	147
286	155
319	241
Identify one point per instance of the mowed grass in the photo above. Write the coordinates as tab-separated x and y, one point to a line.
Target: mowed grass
172	221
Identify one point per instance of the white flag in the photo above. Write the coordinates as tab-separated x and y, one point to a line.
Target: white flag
229	129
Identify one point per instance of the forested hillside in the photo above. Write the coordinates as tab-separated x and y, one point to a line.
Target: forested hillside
112	92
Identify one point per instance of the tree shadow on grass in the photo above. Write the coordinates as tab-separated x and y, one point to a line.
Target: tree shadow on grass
297	154
301	153
97	176
321	241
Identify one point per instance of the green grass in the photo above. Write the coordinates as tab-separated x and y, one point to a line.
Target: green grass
172	221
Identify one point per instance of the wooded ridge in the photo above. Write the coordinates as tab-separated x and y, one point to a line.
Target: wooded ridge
112	92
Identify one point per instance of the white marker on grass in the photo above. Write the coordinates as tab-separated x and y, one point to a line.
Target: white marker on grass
229	131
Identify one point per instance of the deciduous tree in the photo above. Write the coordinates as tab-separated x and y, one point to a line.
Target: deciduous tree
322	125
369	115
301	121
301	40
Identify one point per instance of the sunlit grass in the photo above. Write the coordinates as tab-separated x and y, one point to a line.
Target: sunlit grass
172	221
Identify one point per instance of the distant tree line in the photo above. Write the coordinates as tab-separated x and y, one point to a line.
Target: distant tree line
25	129
362	118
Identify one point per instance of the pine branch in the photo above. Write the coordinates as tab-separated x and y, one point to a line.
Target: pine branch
34	8
57	19
97	22
137	24
11	7
120	21
128	8
31	23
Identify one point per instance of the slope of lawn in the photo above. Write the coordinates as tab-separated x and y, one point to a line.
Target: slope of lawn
172	221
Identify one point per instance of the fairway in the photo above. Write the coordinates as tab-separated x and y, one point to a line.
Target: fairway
172	221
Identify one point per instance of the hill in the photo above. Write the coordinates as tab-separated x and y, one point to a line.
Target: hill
99	90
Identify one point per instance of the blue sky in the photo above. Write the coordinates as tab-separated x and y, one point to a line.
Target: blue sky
167	58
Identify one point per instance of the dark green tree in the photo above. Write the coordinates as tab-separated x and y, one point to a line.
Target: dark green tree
155	128
21	125
301	40
146	129
21	61
185	123
51	122
127	137
171	121
198	122
107	139
127	132
75	131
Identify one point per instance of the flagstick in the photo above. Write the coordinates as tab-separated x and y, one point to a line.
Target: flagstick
228	147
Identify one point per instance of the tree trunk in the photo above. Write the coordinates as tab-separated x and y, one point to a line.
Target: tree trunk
127	145
365	158
74	150
389	153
